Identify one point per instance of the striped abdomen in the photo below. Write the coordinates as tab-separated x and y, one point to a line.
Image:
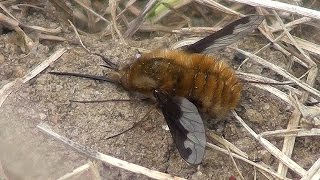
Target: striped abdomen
210	84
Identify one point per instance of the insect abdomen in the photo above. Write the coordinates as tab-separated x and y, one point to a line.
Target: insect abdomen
215	86
210	83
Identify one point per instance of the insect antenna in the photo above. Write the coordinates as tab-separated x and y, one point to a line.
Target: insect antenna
109	64
106	100
88	76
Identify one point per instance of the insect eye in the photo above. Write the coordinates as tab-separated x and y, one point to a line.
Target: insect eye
138	55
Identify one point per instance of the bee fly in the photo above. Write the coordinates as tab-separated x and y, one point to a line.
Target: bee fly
184	82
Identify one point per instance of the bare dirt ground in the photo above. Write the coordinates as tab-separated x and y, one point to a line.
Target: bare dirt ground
27	153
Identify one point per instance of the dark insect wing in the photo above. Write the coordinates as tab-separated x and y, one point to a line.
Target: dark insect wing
186	126
227	35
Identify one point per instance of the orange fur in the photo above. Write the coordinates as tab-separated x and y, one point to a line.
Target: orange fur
209	82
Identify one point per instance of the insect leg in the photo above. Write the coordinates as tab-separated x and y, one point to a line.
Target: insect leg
139	123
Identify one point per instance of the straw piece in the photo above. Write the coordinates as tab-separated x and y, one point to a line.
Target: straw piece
291	24
113	7
227	144
314	172
43	65
81	169
107	159
137	22
266	169
216	5
288	143
291	132
282	72
272	149
281	6
92	11
7	89
160	10
304	44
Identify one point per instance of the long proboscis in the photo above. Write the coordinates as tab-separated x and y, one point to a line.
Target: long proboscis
88	76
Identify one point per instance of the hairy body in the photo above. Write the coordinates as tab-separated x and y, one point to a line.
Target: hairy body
209	83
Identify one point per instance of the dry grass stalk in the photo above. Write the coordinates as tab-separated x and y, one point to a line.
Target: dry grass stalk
291	132
272	149
92	11
226	143
282	72
78	36
137	22
288	143
86	167
259	166
235	164
7	89
165	11
108	159
314	172
307	58
51	37
304	44
56	55
282	7
291	24
283	96
215	5
113	9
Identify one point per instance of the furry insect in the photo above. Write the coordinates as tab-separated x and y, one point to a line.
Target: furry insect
183	82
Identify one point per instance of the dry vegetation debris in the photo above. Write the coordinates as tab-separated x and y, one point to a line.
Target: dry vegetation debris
288	29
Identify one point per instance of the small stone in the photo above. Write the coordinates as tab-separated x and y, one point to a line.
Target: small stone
42	116
254	115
